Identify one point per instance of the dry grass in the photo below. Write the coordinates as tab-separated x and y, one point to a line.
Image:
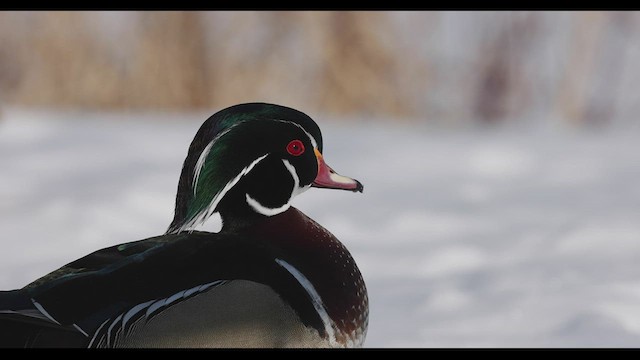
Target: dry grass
423	65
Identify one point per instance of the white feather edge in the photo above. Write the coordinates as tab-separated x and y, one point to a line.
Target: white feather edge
315	298
43	311
151	306
80	329
95	334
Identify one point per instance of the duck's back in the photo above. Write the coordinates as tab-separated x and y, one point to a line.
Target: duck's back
300	288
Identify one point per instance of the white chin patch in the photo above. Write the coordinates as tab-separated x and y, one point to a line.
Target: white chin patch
297	190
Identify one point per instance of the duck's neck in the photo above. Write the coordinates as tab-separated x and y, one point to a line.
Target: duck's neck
236	214
238	223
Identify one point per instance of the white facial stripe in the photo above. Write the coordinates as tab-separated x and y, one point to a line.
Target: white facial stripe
297	189
199	165
205	213
313	140
203	157
294	175
315	299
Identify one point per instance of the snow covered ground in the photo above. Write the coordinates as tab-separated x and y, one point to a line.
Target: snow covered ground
501	238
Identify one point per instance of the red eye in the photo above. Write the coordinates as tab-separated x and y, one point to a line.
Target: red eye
295	148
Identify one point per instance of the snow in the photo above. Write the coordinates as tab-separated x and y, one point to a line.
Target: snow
466	238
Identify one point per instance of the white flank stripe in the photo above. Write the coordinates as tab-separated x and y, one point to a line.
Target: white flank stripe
43	311
315	298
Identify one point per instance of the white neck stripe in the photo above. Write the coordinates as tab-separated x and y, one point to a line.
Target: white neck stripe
259	208
209	210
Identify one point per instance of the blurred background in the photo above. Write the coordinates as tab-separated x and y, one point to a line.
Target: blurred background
498	151
449	67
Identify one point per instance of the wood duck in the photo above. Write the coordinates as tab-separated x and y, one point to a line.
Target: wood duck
272	277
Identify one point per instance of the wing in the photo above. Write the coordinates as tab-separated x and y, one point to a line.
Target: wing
236	313
31	329
25	322
141	279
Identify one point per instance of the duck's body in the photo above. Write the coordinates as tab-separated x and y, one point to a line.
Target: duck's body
271	278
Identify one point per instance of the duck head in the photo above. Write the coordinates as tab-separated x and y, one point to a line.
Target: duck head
248	162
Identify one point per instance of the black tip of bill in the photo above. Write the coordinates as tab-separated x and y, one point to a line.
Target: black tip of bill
359	187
